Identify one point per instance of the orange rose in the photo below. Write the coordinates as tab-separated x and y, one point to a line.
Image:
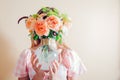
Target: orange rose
53	22
41	28
30	22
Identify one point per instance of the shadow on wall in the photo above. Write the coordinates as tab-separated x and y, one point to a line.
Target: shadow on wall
6	58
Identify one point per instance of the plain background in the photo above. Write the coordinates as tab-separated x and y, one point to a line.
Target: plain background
95	34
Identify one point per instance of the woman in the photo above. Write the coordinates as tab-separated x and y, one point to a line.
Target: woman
68	66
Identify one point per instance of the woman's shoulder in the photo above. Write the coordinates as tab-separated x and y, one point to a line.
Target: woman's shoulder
69	51
70	54
25	52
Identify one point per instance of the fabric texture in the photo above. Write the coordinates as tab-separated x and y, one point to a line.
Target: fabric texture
71	65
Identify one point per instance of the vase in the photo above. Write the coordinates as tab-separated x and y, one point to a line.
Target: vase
46	54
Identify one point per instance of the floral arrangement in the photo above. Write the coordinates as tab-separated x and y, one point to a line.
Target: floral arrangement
47	23
49	26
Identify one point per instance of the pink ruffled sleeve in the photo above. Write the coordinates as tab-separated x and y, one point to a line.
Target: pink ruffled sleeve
21	66
73	63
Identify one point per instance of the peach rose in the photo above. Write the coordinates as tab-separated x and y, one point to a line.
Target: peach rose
53	22
41	28
30	22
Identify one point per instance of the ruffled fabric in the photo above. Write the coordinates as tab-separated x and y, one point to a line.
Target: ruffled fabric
21	69
71	65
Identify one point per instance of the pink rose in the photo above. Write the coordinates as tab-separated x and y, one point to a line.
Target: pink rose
53	22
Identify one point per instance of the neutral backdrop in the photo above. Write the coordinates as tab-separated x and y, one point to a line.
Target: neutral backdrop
95	34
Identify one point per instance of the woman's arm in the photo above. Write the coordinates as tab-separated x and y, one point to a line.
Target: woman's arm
69	78
72	78
24	78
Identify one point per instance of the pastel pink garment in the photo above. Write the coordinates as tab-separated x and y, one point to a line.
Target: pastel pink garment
71	65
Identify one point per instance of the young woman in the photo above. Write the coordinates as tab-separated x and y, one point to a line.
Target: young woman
67	67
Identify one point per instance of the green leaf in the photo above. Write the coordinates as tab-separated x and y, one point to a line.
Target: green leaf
35	15
65	18
52	13
60	31
51	34
60	41
56	11
44	37
45	9
59	38
36	37
29	34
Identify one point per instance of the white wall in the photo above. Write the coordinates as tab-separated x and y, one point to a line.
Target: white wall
95	34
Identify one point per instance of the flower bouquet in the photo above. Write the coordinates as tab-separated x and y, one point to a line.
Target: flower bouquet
48	25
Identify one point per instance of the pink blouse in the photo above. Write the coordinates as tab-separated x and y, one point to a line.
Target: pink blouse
71	65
